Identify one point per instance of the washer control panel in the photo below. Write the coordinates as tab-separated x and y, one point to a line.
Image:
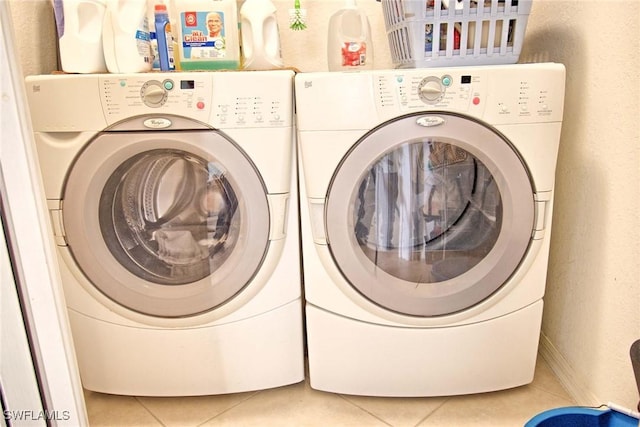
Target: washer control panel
218	99
126	96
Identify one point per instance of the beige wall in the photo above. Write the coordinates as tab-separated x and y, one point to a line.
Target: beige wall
35	35
592	312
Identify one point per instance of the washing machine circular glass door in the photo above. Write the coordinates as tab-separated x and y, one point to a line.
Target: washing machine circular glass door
160	223
429	214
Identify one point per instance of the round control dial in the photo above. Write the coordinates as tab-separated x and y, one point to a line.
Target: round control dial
153	94
431	90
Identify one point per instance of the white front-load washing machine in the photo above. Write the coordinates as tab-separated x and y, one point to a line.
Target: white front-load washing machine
172	198
426	218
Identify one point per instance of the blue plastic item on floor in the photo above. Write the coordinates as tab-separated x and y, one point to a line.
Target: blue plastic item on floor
582	417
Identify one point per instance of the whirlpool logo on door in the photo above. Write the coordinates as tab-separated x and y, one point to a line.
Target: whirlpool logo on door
430	121
157	123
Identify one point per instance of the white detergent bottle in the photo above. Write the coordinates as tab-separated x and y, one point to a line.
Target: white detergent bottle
125	37
153	38
349	42
260	35
79	25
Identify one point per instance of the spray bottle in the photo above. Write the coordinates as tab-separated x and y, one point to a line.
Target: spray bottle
349	42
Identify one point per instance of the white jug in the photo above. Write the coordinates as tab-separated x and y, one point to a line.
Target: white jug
79	24
260	36
125	37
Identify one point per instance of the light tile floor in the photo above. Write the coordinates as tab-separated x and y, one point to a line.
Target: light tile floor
300	405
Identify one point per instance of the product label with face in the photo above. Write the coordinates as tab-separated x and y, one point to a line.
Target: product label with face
203	35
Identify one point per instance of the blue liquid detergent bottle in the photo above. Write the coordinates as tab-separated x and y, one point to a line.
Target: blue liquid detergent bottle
164	38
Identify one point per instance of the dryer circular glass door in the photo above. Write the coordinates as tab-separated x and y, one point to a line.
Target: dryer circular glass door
160	222
429	214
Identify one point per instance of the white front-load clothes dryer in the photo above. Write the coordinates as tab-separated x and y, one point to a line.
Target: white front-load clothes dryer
176	220
426	221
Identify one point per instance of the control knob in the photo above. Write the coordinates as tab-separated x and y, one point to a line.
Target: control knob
153	94
431	90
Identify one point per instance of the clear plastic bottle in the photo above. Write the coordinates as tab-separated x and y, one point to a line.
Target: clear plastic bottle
349	43
164	38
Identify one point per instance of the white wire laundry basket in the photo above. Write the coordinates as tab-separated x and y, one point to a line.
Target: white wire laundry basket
439	33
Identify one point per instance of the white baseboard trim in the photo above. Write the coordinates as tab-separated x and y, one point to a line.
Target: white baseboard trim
566	374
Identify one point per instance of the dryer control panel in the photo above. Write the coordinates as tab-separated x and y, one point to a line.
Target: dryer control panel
495	94
410	92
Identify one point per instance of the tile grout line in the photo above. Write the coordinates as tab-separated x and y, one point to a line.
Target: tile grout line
433	412
230	408
149	411
363	410
566	397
